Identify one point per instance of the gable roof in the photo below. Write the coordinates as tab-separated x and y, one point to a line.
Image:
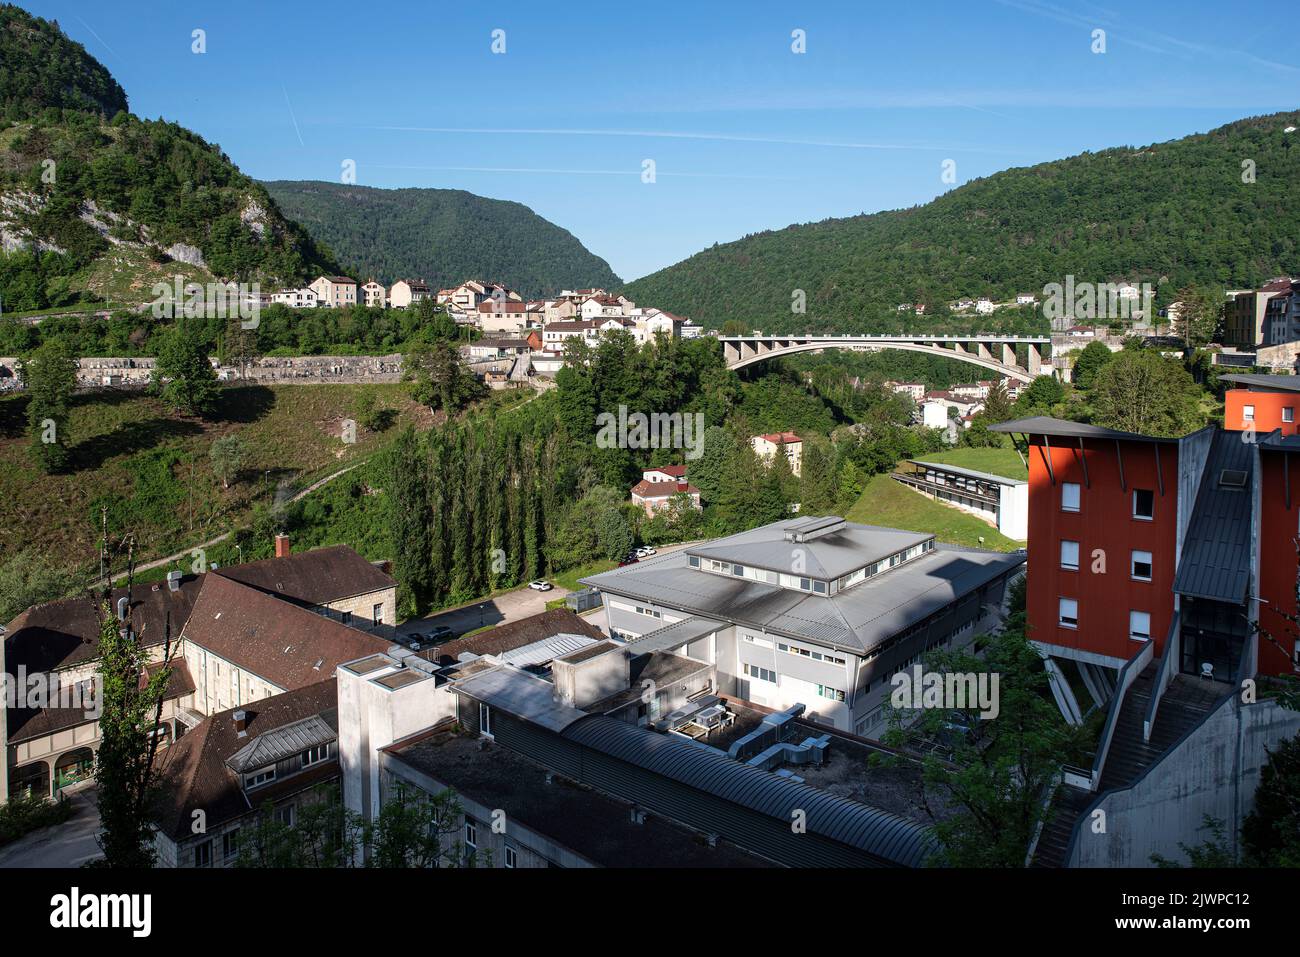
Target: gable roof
196	772
648	489
281	642
515	634
59	634
315	577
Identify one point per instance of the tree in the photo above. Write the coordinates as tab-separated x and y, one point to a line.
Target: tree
614	535
183	377
227	455
409	500
1091	360
49	375
1200	315
1142	391
1039	396
130	697
421	831
441	381
1001	766
997	405
1270	835
705	472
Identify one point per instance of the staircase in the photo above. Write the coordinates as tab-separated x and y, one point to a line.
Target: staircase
1185	702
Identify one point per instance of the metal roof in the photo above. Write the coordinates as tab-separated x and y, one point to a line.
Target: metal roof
548	649
1285	383
970	473
1216	555
280	743
879	833
856	619
826	557
1046	425
521	694
675	635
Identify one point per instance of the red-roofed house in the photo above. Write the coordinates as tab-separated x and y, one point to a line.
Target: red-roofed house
765	447
653	496
665	473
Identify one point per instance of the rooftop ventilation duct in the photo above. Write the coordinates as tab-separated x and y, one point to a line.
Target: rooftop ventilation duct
808	529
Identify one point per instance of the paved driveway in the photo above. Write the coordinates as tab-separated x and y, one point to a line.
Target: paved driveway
69	844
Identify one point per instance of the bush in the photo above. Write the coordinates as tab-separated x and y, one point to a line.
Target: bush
23	815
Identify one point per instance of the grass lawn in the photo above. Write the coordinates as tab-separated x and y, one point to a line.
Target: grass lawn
1004	461
892	504
569	579
292	434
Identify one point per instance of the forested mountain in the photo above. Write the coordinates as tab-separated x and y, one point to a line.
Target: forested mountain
443	236
1187	211
96	200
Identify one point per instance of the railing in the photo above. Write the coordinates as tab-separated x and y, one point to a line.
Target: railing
1165	675
1127	675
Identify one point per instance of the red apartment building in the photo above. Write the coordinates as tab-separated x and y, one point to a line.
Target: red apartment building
1262	403
1134	537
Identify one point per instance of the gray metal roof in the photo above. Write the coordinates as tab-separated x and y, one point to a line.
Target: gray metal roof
1216	556
856	619
1284	383
280	743
1046	425
548	649
879	833
521	694
675	635
825	557
970	473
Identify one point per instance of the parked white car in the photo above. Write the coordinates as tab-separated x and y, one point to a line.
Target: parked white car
540	585
645	551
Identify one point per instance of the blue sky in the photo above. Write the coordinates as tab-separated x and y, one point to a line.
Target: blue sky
744	134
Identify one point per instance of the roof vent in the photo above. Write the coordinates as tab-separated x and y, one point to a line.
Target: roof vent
807	529
1232	478
173	581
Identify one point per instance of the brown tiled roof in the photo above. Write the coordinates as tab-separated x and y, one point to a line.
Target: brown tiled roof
662	489
278	641
491	306
777	438
317	577
59	634
677	471
194	771
514	635
573	325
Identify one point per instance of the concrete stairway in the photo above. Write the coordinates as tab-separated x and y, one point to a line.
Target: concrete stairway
1185	702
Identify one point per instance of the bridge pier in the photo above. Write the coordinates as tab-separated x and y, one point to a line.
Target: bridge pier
1035	360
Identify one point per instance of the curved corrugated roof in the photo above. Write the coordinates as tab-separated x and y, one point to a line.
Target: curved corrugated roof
879	833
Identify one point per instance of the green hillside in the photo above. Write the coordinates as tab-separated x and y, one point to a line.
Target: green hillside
96	203
1171	213
443	236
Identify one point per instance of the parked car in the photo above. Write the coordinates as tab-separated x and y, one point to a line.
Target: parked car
540	585
645	551
629	560
439	633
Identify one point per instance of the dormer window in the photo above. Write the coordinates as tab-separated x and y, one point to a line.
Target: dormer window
260	777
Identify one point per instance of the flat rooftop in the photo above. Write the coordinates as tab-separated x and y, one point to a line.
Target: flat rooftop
588	822
828	556
969	473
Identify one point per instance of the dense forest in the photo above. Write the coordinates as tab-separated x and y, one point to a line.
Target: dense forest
82	179
443	236
1185	212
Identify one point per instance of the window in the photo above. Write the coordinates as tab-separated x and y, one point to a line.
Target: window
377	613
315	755
263	776
512	857
1248	413
833	693
1069	613
1139	625
1144	503
471	835
762	674
345	617
1070	555
230	844
484	719
203	854
1069	496
284	815
1288	414
1141	569
738	571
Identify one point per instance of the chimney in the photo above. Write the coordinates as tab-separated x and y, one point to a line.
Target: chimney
173	581
681	485
241	722
123	604
282	546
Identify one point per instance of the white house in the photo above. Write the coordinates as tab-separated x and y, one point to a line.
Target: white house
295	298
335	291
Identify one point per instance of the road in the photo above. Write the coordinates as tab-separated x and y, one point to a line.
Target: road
69	844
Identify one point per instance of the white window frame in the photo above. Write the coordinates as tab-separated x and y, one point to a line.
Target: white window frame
1134	503
1133	633
1061	615
1288	413
1133	563
485	719
1066	564
1077	493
